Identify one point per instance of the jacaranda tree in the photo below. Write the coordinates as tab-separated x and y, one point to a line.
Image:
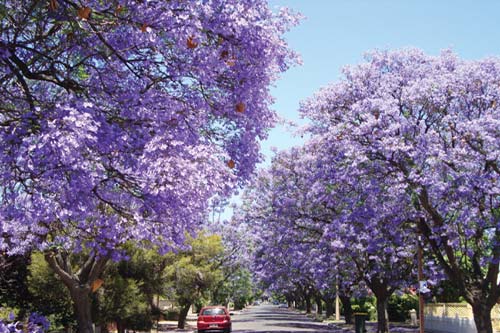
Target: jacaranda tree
277	264
375	233
430	126
366	221
120	119
236	260
335	229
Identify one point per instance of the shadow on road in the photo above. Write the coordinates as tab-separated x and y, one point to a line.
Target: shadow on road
274	320
280	315
309	327
283	321
283	317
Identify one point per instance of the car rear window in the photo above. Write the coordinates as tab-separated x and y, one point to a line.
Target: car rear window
213	312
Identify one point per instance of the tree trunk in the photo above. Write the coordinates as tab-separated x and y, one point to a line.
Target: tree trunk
382	323
482	317
120	326
82	306
330	307
318	305
289	301
300	303
480	288
346	303
78	283
308	304
183	315
382	293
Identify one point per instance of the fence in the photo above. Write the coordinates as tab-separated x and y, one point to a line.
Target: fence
455	318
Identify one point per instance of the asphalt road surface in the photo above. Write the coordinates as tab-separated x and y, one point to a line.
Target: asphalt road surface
270	318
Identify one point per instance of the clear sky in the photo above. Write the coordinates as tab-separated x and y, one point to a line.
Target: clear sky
336	33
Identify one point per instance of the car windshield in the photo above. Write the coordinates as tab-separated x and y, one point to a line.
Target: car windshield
213	312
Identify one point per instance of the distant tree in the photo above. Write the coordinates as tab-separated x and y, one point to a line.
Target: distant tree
242	288
123	302
195	272
147	267
236	259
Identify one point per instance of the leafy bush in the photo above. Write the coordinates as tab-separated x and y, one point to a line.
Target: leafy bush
139	321
399	307
365	304
172	315
447	292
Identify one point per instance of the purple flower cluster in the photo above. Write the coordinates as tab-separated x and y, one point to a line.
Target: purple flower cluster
35	324
121	119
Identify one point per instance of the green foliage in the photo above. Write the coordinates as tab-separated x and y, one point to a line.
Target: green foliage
237	288
13	282
121	300
172	315
3	11
6	311
367	305
128	296
81	73
197	270
447	292
148	268
399	307
48	294
243	290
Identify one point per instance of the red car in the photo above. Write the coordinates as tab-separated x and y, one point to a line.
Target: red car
214	318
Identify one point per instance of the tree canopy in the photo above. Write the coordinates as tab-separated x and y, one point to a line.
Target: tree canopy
120	119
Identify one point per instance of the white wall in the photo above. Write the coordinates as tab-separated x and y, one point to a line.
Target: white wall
449	325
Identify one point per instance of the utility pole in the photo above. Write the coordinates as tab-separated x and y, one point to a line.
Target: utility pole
420	278
337	302
337	306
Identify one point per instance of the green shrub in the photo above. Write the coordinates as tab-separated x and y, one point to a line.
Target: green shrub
172	315
140	321
367	305
399	307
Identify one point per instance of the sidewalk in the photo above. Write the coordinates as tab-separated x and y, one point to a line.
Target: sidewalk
371	327
165	326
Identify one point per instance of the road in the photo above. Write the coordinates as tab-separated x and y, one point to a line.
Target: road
270	318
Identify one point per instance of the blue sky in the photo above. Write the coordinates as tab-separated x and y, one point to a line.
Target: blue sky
336	33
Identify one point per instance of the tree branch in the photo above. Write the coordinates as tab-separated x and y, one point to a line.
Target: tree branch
67	279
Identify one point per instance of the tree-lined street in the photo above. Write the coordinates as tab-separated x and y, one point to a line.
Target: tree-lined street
129	128
270	318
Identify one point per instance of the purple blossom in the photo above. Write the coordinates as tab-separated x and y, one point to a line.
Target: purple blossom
36	324
130	138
